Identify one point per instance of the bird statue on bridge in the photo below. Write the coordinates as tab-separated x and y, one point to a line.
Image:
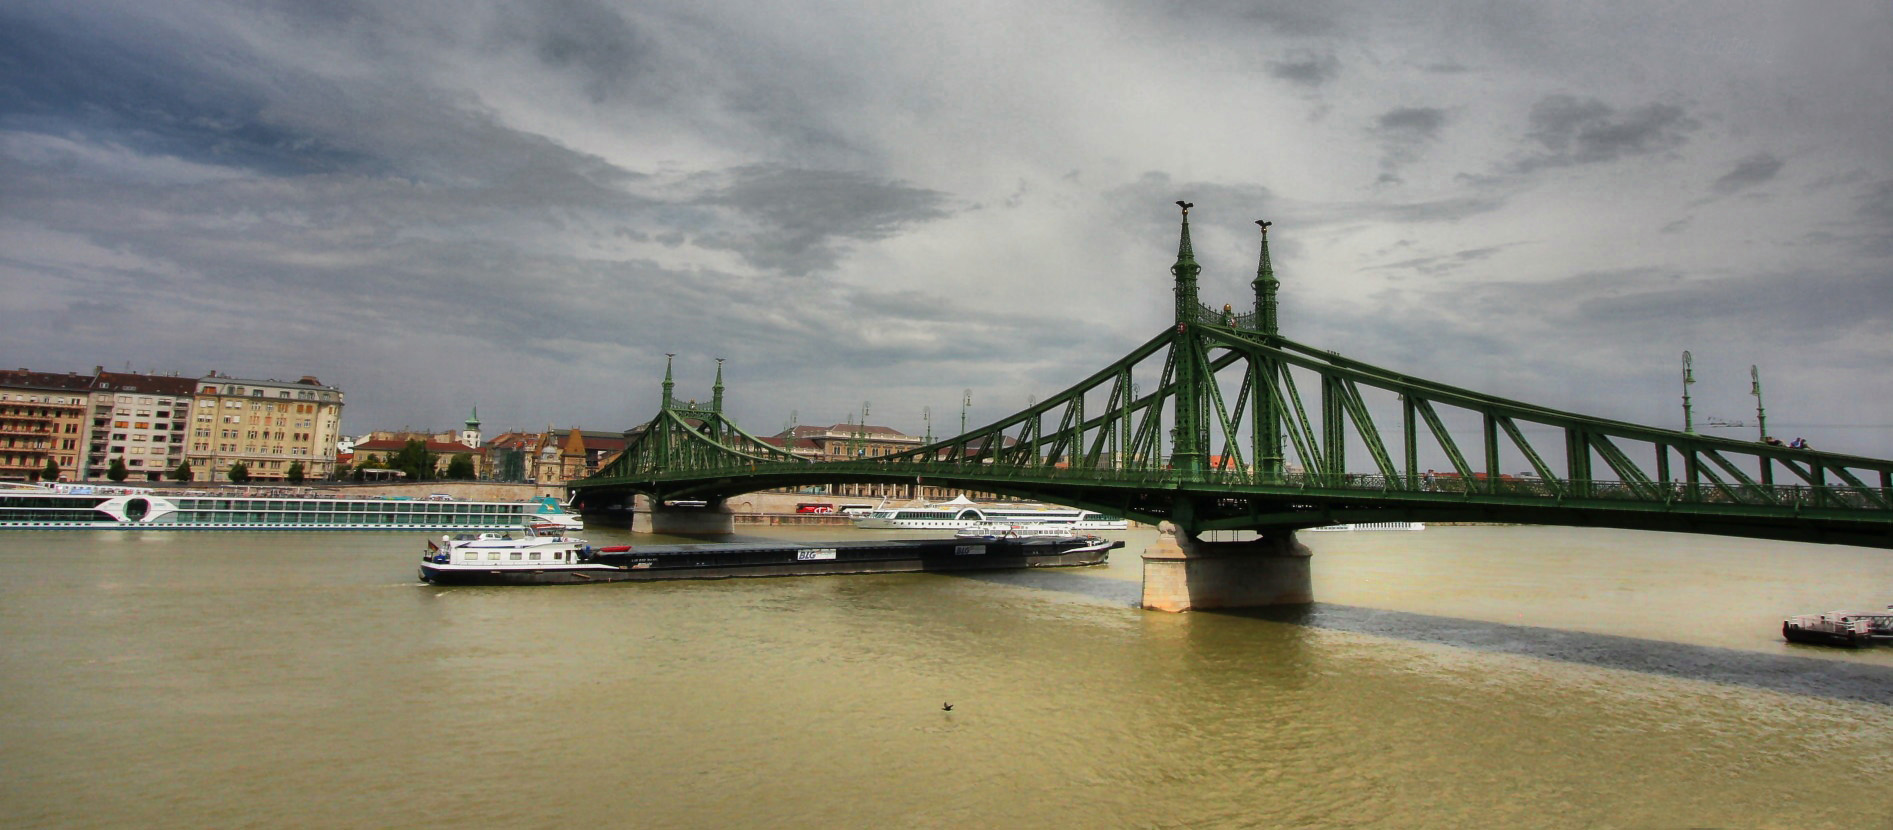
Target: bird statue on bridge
1186	206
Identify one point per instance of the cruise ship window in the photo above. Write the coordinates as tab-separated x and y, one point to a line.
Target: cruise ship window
558	556
493	557
535	556
515	556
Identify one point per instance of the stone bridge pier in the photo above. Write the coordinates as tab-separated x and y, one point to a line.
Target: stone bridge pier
1182	573
712	517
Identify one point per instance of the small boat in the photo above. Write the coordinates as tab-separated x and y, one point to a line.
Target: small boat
1849	629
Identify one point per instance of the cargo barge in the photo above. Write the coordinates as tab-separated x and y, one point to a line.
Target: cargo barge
533	558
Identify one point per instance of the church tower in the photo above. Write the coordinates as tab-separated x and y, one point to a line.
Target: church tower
471	435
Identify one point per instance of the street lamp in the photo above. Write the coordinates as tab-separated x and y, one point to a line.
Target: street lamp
1689	425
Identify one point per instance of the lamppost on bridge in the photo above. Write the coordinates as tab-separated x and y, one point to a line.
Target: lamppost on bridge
1755	388
1689	424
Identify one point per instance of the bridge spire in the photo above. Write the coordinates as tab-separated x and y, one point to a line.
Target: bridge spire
1187	446
716	392
1265	287
1185	272
668	383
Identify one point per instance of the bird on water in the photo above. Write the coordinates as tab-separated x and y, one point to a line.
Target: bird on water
946	707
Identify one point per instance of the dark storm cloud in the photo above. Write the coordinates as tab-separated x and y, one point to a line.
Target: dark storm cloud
1877	202
1576	131
1420	122
801	219
136	87
1308	70
1628	307
1449	209
1876	205
1254	18
220	105
1749	172
606	51
1443	264
1403	133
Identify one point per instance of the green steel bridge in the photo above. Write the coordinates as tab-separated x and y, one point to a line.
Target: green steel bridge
1221	423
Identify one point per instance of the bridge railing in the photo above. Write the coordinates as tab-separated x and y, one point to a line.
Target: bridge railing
1832	497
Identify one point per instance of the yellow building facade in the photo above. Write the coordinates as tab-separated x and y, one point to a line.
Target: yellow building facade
268	425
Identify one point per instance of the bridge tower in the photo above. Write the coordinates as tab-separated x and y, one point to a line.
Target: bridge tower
1187	454
670	446
1181	571
1270	409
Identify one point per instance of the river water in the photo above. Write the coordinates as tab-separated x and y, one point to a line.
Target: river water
1455	677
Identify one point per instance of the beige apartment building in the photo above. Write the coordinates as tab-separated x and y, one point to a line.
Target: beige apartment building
266	424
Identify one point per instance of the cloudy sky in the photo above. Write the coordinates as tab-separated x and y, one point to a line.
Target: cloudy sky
522	206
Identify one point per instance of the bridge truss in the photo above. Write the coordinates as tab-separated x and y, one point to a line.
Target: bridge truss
1220	423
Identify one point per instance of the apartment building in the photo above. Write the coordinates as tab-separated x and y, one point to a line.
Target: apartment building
42	418
138	419
268	425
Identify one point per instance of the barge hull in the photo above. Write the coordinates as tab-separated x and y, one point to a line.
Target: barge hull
1825	638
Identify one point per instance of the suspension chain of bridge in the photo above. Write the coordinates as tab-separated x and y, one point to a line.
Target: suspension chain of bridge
1219	422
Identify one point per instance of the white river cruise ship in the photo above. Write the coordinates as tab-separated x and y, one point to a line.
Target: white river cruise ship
962	512
100	506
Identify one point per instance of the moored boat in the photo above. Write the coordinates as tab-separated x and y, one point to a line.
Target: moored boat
962	512
90	506
528	560
1018	530
1831	629
1849	629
